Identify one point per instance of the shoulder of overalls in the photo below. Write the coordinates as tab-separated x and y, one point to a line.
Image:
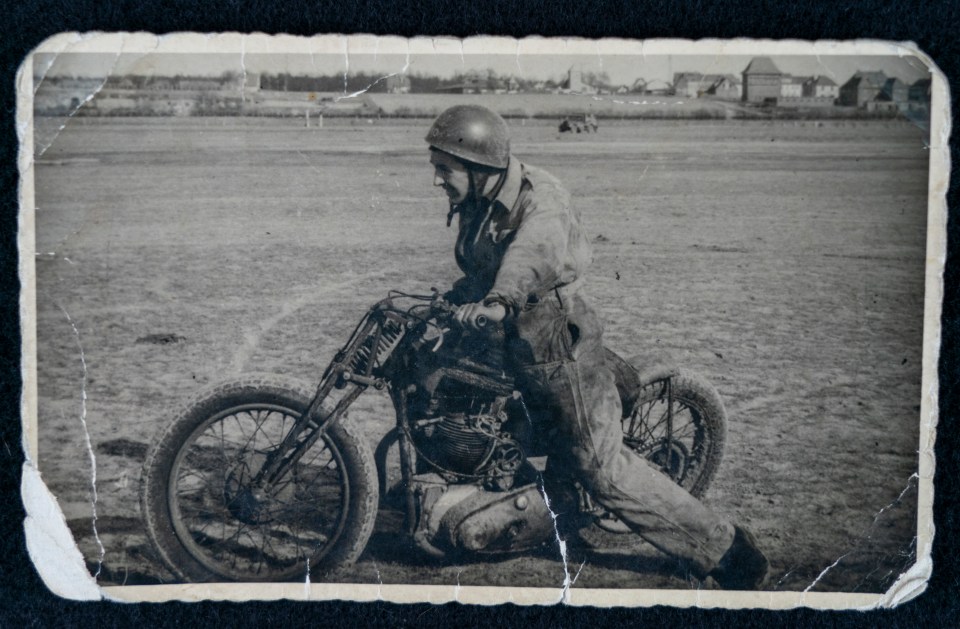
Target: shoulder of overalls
544	187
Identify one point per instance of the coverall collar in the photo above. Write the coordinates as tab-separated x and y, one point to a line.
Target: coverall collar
510	190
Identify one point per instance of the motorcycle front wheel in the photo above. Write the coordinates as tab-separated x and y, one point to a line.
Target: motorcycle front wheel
208	522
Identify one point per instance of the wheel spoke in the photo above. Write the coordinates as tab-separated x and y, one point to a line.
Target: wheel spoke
678	453
237	530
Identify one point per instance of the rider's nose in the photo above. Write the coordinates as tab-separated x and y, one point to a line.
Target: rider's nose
437	179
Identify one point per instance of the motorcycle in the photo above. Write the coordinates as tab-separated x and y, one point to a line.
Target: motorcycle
267	479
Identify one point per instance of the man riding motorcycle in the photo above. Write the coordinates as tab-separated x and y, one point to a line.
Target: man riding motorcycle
524	255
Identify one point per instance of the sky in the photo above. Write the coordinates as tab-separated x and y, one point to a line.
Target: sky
622	69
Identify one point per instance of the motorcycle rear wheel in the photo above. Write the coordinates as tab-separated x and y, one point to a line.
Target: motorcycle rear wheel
695	448
691	455
207	523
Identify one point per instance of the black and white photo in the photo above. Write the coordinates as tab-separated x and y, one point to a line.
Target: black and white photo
603	323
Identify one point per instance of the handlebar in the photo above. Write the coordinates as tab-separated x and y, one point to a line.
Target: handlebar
437	308
441	306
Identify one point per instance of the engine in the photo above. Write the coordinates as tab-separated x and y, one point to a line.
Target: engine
464	433
473	489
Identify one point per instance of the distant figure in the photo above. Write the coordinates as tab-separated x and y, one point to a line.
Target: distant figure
582	123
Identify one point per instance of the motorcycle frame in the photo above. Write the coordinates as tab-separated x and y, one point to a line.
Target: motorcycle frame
314	423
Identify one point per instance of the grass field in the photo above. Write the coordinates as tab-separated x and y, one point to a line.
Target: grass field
782	260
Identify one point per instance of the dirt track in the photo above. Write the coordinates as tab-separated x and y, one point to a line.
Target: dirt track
782	260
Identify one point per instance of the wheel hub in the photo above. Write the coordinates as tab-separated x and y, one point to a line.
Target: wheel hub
672	458
249	504
247	507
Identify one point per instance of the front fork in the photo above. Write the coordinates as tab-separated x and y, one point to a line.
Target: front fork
311	426
401	437
314	423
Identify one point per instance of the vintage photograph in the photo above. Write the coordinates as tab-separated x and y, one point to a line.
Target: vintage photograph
509	316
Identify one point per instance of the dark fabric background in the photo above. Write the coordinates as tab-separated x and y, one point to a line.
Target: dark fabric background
24	601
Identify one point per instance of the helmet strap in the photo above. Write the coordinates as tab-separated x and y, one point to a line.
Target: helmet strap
478	181
498	186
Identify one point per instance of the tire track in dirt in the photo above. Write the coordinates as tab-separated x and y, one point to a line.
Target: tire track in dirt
311	296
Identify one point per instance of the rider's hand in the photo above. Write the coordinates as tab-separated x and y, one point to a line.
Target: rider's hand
469	315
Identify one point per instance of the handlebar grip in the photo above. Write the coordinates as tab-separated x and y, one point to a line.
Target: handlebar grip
482	321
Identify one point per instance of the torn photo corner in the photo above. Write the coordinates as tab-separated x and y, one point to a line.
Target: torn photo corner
540	321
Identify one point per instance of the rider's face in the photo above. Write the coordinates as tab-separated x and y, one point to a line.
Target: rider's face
450	174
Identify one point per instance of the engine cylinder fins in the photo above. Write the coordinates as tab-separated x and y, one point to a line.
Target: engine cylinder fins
459	447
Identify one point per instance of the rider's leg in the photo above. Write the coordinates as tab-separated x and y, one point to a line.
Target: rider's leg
586	401
587	412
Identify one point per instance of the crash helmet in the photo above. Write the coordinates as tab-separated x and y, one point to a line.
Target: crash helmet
472	133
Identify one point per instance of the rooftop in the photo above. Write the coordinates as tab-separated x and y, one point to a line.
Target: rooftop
822	80
876	79
761	65
716	78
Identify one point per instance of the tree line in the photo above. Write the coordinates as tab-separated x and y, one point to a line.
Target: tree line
359	81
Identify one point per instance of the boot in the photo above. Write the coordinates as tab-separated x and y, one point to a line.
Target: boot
743	566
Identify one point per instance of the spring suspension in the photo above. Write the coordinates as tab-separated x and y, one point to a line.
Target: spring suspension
382	340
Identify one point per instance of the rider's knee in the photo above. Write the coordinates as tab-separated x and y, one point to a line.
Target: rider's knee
601	481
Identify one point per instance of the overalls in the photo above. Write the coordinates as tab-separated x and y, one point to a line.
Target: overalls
526	250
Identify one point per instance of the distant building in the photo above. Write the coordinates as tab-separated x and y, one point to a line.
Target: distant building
495	86
919	91
821	87
725	86
398	84
862	88
894	90
513	85
252	82
574	82
918	99
476	83
656	86
792	86
761	81
472	83
457	88
687	84
159	84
